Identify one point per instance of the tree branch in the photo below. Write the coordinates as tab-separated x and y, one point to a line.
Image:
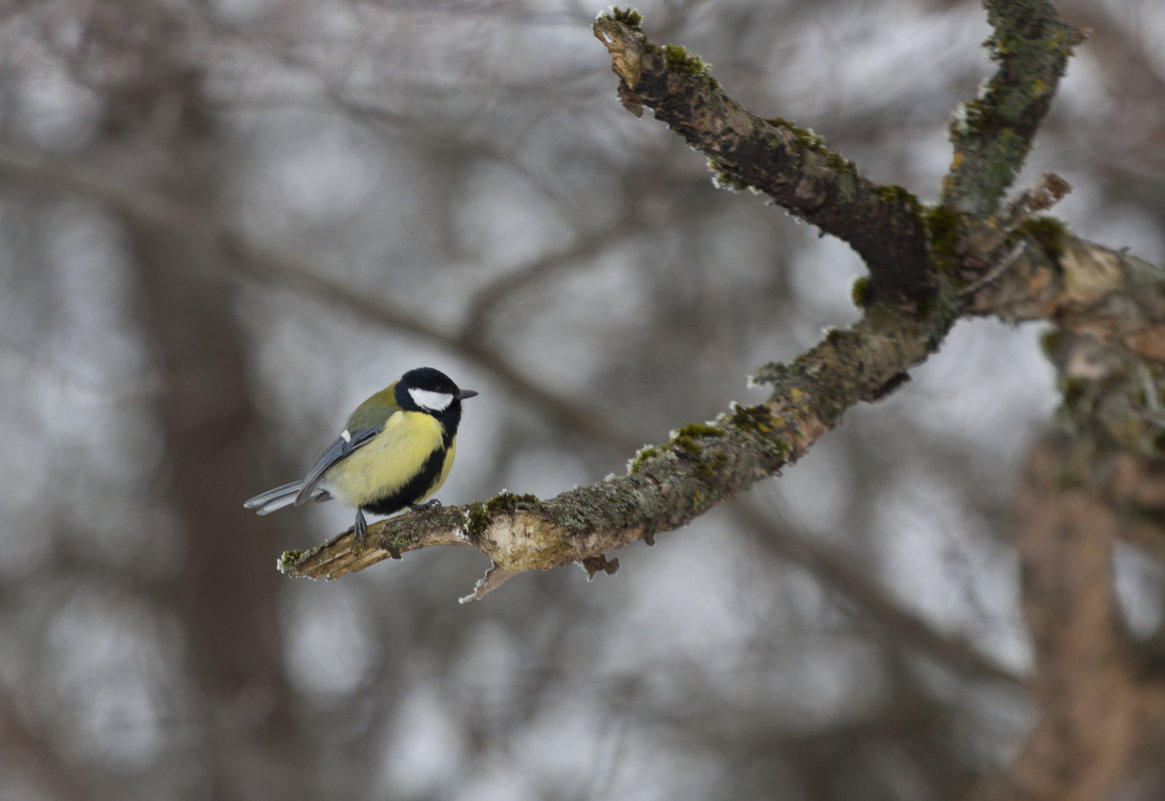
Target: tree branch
790	164
1082	287
993	134
665	487
703	465
1101	694
1098	705
1054	277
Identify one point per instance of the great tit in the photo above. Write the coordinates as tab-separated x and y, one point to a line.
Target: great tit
395	451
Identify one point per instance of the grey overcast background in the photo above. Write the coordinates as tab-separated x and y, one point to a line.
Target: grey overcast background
468	165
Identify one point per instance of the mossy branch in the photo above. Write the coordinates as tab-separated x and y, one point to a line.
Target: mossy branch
665	486
993	133
789	164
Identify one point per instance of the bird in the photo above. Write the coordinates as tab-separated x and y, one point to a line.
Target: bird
395	450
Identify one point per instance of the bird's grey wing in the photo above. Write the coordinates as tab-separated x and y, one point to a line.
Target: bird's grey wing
341	449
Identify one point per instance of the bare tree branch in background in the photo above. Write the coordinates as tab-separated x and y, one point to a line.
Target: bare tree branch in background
158	211
840	574
1099	699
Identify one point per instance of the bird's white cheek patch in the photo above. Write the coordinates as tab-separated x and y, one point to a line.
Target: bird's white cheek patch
434	401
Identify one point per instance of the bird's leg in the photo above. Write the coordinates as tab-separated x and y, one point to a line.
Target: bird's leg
421	507
361	526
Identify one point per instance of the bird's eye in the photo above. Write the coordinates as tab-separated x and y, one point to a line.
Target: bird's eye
433	401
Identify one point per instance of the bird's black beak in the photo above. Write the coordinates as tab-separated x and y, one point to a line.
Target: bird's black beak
466	393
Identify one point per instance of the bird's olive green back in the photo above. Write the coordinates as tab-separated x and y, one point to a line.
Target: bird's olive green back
373	412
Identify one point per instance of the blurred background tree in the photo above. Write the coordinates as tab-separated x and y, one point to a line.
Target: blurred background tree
223	224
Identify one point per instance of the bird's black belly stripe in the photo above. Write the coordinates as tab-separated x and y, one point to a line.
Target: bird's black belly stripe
413	490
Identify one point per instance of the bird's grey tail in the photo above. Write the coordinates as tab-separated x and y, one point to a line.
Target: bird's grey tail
267	502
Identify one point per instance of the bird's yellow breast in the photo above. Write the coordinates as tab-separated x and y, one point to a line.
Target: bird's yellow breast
389	460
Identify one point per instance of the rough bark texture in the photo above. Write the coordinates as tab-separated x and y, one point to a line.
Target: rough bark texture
790	164
1082	287
993	133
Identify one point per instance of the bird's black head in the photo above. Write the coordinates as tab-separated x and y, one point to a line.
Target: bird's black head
430	391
